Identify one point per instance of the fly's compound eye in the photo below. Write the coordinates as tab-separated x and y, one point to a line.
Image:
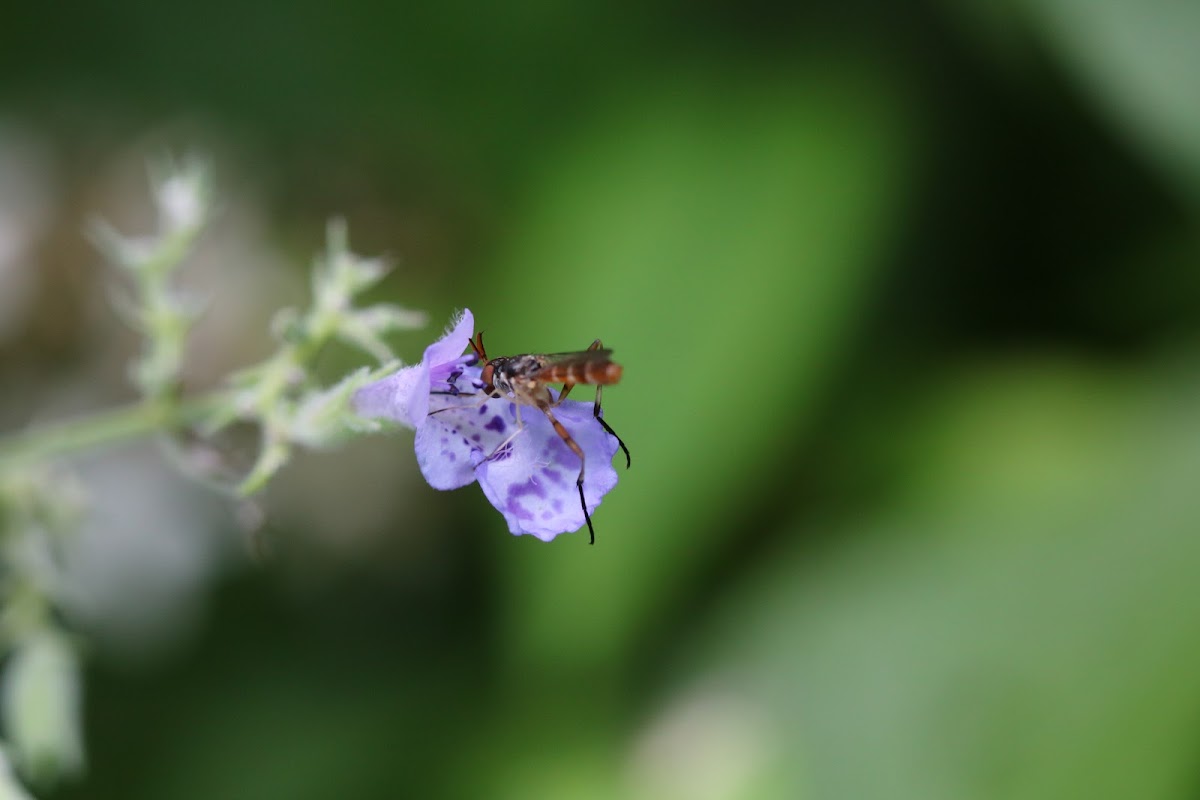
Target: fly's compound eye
489	372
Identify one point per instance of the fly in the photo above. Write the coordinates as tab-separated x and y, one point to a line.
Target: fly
526	380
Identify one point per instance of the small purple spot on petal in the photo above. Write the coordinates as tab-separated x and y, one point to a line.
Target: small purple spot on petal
516	492
449	455
562	454
517	510
445	440
476	438
546	515
553	475
483	409
556	504
496	425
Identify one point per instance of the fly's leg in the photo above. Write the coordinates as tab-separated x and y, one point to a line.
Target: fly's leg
596	345
474	404
607	427
520	429
479	404
567	387
575	448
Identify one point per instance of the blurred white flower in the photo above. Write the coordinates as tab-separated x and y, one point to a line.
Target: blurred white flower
182	197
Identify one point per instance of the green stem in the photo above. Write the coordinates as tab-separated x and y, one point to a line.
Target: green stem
101	428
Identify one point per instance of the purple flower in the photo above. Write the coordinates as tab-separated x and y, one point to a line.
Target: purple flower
528	473
404	396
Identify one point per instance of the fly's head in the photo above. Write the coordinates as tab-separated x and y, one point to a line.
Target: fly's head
488	374
498	375
509	376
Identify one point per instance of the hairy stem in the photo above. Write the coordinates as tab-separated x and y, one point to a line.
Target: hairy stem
74	436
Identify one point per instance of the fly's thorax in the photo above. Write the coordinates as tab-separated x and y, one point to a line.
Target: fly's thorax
515	376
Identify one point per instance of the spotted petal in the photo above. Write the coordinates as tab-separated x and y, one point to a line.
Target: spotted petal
460	432
532	481
401	397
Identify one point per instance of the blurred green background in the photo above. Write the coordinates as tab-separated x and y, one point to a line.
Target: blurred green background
908	301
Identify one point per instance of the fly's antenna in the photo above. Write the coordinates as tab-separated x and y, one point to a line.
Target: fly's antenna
488	370
477	346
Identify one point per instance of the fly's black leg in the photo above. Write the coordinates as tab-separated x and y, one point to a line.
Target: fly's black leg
607	427
567	387
596	345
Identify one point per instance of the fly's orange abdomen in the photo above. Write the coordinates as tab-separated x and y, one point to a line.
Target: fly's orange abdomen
592	373
609	373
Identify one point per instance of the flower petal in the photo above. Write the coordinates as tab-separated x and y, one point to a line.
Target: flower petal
447	458
533	485
445	452
460	431
454	341
402	396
